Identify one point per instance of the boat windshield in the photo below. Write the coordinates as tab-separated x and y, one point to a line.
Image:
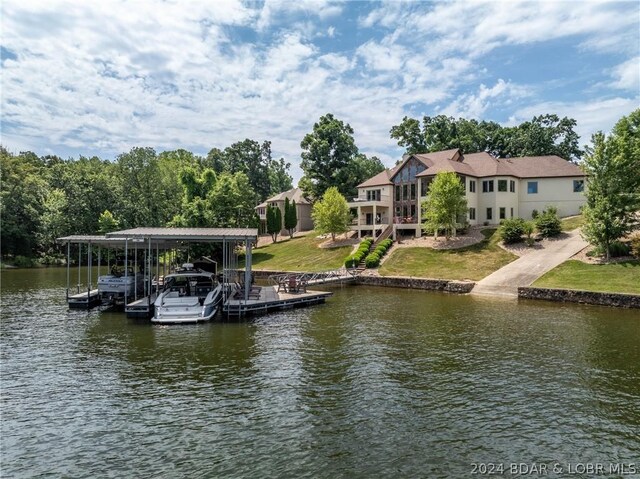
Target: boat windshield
189	285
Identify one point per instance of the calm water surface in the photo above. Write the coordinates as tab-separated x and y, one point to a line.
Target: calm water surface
376	383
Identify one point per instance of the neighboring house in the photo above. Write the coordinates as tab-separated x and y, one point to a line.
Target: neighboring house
303	210
496	189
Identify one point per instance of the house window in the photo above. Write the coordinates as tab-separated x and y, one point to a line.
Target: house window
405	192
503	213
512	212
413	191
532	187
413	212
472	213
472	186
512	186
489	214
373	195
463	180
487	186
424	186
397	192
502	185
578	186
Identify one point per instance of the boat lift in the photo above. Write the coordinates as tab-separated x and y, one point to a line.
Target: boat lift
150	240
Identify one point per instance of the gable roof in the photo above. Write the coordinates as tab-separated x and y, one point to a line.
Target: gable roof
482	165
294	194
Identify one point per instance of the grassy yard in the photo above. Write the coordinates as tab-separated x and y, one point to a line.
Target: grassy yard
299	254
610	278
572	223
473	262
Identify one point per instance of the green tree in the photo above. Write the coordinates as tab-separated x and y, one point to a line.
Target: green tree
107	222
290	216
331	213
54	222
274	222
327	152
231	202
543	135
22	198
279	178
612	166
141	193
444	204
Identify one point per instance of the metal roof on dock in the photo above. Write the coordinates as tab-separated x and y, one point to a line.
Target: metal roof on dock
189	234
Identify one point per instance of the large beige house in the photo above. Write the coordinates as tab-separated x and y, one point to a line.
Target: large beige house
496	189
303	210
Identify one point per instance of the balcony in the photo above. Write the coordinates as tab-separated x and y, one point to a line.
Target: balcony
405	220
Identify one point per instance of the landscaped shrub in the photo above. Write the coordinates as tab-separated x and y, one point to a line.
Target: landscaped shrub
372	260
388	242
380	250
361	252
635	247
527	229
548	224
618	249
534	214
511	230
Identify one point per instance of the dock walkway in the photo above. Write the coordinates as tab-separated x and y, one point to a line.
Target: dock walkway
269	299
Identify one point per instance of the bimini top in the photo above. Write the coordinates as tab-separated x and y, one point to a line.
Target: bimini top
189	234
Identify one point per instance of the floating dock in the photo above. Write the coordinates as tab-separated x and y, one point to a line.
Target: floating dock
84	300
266	298
141	308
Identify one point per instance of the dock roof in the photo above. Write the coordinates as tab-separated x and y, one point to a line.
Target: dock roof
189	234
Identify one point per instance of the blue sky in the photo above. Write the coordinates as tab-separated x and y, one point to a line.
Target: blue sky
97	78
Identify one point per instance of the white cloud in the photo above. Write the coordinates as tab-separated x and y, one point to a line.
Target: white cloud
627	75
470	105
591	116
101	77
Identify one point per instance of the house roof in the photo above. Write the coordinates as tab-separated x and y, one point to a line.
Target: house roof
294	194
482	165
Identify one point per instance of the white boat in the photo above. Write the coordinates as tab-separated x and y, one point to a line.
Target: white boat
113	286
190	295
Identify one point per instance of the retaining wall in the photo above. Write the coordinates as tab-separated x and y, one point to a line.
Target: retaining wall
417	283
577	296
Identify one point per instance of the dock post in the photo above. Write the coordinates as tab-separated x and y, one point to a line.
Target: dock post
68	266
247	270
79	262
89	258
126	269
135	273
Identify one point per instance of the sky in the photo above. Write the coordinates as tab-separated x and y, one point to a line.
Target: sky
98	78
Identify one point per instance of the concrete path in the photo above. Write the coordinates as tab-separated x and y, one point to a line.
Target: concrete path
526	269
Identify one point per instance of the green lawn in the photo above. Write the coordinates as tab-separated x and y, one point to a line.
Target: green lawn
472	263
609	278
570	224
299	254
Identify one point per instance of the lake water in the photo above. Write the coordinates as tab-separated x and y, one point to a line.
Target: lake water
375	383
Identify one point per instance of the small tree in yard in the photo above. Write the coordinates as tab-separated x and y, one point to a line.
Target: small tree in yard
274	222
331	214
290	216
445	202
613	194
548	224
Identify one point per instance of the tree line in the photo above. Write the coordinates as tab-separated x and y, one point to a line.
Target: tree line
43	198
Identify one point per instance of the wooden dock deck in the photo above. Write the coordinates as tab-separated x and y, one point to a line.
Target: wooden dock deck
84	300
142	308
267	298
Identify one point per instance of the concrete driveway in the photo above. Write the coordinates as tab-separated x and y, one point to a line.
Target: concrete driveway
528	268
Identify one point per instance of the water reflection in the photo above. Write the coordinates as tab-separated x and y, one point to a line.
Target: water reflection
378	382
